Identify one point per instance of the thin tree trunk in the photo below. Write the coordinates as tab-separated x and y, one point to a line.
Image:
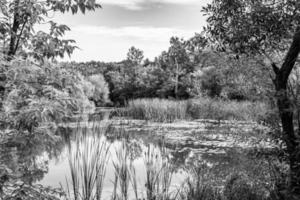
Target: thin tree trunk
177	77
286	112
14	31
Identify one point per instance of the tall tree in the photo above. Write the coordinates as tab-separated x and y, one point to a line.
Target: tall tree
17	21
135	55
269	27
179	61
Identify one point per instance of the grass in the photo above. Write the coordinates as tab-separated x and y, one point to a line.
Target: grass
123	176
87	160
235	188
158	110
158	174
163	110
206	108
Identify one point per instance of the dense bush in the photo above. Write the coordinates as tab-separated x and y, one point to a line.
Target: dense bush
237	187
100	89
39	95
211	82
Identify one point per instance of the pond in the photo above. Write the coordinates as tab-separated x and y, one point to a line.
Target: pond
135	151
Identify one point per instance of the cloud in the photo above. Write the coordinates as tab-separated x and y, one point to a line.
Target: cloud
142	33
111	44
140	4
128	4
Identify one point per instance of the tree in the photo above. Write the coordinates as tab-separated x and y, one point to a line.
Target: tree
269	28
135	55
101	90
177	64
19	18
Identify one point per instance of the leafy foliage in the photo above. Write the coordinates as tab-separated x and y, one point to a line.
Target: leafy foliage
20	17
41	94
268	28
101	91
252	26
135	55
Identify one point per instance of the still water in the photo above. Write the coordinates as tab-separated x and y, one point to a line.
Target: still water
214	149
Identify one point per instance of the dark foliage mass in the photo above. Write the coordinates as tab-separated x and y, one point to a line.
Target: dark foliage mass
187	70
270	29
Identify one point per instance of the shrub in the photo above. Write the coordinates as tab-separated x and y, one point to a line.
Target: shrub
237	187
101	91
211	82
43	94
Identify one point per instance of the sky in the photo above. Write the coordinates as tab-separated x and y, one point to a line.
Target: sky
106	34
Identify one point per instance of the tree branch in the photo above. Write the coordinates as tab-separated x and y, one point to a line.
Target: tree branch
20	35
290	59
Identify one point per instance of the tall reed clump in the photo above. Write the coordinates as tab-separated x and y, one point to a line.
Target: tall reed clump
88	156
218	109
157	110
158	174
124	174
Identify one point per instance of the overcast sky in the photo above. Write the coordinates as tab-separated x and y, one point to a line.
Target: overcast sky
108	33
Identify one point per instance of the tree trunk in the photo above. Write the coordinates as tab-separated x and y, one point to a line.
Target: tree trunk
14	31
176	79
286	112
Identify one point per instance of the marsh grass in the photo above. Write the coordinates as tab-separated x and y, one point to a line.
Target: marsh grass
158	110
88	156
163	110
123	176
158	173
218	109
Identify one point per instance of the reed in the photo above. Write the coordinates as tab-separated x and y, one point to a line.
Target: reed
122	171
219	109
158	110
164	110
88	156
125	174
158	173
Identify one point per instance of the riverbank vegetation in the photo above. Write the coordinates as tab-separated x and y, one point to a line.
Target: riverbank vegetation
163	110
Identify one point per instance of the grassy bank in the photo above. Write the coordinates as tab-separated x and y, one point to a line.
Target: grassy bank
163	110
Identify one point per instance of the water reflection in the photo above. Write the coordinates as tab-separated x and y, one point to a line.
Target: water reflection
79	153
26	156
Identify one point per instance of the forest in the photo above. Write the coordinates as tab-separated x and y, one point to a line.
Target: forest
219	110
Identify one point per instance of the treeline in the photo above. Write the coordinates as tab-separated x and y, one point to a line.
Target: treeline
188	69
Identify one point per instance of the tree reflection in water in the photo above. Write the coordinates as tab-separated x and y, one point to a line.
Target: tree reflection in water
24	161
25	158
